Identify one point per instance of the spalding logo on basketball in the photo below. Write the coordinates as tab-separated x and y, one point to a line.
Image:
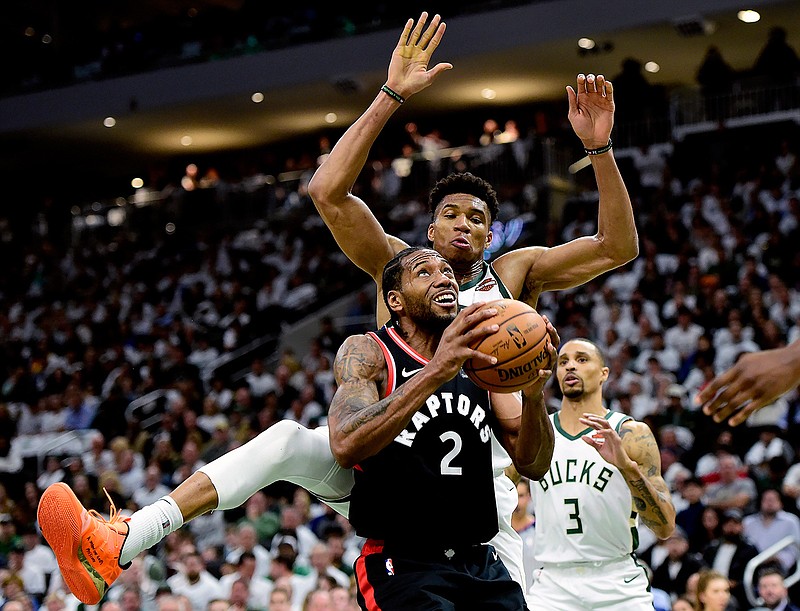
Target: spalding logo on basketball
520	345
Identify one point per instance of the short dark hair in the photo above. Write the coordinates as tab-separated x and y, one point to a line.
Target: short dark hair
464	182
393	271
770	569
591	343
246	556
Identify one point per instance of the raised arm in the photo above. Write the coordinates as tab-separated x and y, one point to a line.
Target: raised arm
360	422
525	429
529	271
353	225
635	453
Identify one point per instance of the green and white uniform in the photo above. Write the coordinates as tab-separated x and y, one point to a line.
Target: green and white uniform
584	546
488	287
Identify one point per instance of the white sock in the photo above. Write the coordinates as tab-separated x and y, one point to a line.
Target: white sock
149	525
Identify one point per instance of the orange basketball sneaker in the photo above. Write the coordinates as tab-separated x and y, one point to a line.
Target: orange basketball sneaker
86	545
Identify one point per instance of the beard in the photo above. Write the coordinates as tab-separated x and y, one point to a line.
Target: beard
424	317
573	392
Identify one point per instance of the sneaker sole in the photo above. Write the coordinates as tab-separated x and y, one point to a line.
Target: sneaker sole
61	520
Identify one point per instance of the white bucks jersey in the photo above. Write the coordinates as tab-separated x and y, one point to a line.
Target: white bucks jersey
583	503
488	287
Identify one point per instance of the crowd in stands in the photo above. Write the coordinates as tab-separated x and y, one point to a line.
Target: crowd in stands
88	326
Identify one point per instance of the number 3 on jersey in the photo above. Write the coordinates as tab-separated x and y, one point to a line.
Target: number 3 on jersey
575	516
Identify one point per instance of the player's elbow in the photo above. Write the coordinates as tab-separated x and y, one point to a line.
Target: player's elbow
320	190
343	452
317	189
533	472
536	469
665	530
625	251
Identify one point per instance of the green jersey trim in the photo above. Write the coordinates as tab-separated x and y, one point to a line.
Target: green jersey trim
588	429
500	286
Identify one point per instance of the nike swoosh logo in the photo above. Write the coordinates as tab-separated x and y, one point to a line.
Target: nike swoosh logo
631	579
407	374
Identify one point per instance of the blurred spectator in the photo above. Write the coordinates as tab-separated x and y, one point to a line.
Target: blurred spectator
733	490
633	93
220	394
259	379
770	525
219	444
33	577
292	525
773	591
97	458
190	462
320	561
768	446
317	600
280	599
261	517
334	538
690	518
52	473
730	553
524	523
779	64
257	589
80	409
715	77
247	541
193	581
131	475
651	163
329	337
672	574
707	466
683	337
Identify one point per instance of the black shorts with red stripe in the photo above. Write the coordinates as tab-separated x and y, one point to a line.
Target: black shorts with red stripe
405	578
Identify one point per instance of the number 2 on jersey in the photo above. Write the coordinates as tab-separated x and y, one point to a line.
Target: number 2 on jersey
576	516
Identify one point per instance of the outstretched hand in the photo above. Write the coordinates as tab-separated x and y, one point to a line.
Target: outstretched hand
591	109
408	69
605	440
756	380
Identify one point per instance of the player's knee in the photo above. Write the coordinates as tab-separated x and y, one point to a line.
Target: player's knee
286	436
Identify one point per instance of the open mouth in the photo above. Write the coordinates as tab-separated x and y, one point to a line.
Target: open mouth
446	299
571	379
462	243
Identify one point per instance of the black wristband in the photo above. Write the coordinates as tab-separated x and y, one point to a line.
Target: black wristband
393	94
599	151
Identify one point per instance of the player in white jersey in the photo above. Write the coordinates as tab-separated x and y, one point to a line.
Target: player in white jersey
605	474
463	207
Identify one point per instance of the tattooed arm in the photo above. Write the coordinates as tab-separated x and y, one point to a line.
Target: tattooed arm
529	437
635	453
360	423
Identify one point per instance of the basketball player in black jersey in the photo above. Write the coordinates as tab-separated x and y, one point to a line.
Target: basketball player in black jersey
416	431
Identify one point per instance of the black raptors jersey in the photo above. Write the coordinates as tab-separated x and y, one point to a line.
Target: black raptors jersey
433	483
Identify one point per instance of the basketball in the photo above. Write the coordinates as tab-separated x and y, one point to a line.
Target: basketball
520	345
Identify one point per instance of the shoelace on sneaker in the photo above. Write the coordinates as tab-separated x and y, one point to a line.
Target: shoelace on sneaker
114	516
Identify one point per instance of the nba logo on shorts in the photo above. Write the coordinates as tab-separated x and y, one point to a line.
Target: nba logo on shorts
389	567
